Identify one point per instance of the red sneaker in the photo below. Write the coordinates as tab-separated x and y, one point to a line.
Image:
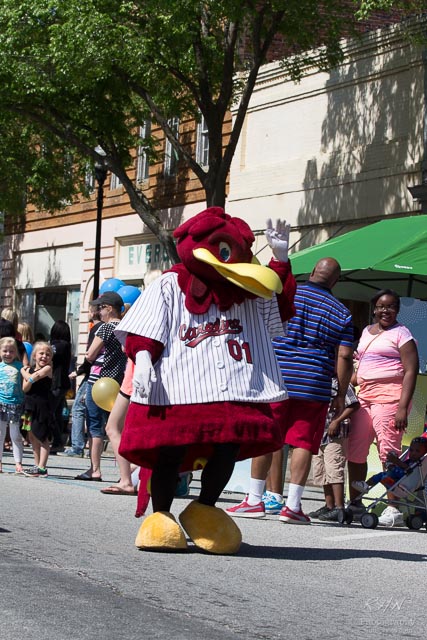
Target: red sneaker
293	517
245	510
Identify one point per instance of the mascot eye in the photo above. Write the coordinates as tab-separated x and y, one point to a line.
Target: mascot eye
224	251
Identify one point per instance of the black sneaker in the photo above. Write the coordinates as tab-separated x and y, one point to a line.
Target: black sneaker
319	512
331	515
35	472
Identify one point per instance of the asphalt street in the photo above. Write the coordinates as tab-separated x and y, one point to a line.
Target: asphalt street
70	571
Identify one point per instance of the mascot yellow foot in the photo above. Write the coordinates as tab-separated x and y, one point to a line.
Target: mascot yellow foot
161	532
211	529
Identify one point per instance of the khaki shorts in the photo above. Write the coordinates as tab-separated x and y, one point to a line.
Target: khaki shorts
329	465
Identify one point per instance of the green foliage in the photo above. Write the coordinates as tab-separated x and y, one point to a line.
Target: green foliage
406	7
75	74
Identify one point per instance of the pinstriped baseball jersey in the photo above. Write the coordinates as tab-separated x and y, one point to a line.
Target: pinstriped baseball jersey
213	357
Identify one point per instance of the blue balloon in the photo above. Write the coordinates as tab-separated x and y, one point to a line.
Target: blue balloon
112	284
129	293
28	348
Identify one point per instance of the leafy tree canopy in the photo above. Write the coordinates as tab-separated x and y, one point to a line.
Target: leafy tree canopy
75	74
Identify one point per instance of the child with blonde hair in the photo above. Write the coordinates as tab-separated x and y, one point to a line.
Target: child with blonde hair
10	315
38	406
11	399
27	337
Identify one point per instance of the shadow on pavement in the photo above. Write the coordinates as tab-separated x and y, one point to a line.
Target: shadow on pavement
318	555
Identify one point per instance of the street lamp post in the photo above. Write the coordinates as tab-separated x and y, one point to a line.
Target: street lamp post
100	175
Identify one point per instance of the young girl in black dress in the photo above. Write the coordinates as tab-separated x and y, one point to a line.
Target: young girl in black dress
38	406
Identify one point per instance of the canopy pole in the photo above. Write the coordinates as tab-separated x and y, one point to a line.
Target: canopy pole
410	282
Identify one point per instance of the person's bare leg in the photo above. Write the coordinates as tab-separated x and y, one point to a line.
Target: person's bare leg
356	471
260	466
44	454
300	466
35	445
329	496
338	492
114	428
96	449
275	478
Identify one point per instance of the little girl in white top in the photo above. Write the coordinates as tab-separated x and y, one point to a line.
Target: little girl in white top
11	399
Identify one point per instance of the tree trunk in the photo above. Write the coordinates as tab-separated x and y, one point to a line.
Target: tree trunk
150	218
216	179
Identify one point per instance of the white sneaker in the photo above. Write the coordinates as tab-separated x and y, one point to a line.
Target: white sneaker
391	517
361	486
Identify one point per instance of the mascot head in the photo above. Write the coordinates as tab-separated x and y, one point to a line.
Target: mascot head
215	250
228	240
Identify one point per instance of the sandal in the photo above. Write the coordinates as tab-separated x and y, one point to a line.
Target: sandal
118	491
86	476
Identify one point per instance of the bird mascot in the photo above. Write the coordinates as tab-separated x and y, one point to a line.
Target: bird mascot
206	380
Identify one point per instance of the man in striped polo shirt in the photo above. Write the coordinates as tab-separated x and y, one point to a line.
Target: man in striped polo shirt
319	341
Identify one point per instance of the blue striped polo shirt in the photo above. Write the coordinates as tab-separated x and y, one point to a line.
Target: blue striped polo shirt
306	355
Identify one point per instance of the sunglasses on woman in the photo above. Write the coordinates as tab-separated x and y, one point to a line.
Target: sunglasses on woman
386	307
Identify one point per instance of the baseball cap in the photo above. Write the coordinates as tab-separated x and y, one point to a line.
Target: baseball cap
109	297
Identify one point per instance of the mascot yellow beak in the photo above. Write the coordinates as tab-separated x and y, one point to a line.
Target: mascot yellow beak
251	276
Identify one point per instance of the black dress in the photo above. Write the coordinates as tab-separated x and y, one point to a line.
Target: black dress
60	385
38	403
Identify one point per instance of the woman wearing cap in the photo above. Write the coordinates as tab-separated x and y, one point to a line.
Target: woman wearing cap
108	361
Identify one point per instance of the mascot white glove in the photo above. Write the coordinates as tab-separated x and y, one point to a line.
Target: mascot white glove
278	239
144	374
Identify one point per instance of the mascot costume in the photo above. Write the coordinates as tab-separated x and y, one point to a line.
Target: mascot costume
206	374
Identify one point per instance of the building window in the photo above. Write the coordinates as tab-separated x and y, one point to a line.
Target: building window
115	182
142	162
202	143
171	156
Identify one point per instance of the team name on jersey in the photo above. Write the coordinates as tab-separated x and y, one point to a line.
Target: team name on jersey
192	336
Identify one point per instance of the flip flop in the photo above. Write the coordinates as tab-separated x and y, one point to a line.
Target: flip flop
117	491
85	476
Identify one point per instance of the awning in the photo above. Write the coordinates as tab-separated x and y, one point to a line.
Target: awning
390	254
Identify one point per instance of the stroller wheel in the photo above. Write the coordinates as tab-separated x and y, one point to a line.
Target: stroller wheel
369	520
414	521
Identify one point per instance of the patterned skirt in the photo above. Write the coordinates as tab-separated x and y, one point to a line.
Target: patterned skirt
10	412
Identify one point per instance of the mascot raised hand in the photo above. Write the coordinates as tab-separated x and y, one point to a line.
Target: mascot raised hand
205	373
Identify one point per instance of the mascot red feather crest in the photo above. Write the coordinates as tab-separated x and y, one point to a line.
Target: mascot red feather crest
206	379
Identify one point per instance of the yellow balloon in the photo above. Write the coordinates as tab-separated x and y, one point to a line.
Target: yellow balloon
104	393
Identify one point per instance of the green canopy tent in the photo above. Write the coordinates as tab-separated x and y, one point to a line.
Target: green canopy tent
390	254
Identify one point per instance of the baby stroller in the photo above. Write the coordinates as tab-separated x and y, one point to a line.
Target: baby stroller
410	492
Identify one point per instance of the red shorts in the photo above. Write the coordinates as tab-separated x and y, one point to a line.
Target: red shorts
305	424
